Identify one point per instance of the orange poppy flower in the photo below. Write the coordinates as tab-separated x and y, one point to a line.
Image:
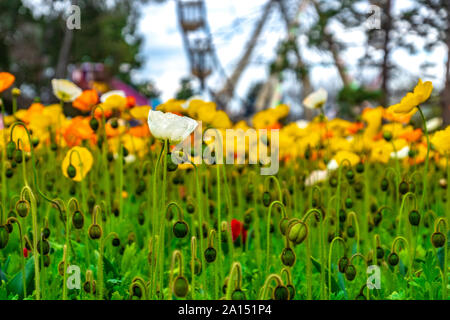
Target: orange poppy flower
354	128
274	126
86	101
412	136
79	130
140	131
6	80
98	113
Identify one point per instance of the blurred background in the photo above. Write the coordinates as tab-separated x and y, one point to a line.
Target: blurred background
244	55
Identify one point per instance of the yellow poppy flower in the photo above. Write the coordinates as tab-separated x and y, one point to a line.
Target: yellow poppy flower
81	159
221	120
441	140
412	100
350	156
140	113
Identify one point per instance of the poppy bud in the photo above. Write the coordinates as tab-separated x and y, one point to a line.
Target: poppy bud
210	254
190	208
403	187
360	167
342	264
267	199
238	294
35	141
342	215
393	259
414	217
9	172
348	203
114	123
288	257
93	123
71	171
380	252
281	293
89	287
180	229
196	264
10	148
384	184
297	233
171	166
4	237
116	242
291	290
43	247
180	287
350	231
350	175
18	156
387	135
95	231
45	233
438	239
22	208
350	272
78	219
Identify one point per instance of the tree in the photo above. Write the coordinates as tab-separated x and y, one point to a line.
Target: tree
430	20
37	48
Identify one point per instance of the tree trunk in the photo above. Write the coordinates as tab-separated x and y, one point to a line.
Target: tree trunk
64	54
226	93
386	49
334	49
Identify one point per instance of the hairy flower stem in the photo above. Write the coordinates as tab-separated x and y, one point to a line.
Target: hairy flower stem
36	235
163	222
100	262
423	205
269	217
330	254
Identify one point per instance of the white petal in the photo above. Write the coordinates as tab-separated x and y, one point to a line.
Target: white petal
112	93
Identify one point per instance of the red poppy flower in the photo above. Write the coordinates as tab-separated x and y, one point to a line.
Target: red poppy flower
131	101
237	228
25	252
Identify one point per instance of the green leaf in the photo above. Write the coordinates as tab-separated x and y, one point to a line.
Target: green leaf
15	285
334	284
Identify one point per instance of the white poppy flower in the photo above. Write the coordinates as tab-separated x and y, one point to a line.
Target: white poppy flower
315	177
434	124
316	99
302	124
112	93
400	154
169	126
65	90
332	165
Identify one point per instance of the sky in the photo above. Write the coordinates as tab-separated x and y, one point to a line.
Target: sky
231	23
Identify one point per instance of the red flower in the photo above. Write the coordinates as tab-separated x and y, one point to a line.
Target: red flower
25	252
237	228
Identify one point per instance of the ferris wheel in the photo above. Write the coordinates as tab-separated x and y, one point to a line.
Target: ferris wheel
203	59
